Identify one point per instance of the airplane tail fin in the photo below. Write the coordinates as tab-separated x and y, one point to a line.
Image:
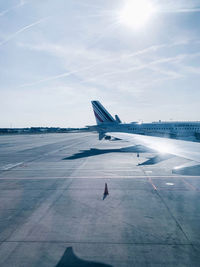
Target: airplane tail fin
117	119
101	114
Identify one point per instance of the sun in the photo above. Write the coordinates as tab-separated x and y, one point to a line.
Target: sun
136	13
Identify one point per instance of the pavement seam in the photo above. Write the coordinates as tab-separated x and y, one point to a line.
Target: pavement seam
68	185
166	206
108	214
100	242
15	248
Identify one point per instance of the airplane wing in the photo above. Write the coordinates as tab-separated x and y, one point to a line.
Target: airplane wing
185	149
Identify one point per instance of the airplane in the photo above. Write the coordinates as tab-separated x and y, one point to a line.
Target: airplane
176	138
189	131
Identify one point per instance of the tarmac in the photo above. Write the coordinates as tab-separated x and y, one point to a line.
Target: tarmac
53	211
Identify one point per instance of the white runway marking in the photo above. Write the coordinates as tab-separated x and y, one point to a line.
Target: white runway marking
102	177
169	184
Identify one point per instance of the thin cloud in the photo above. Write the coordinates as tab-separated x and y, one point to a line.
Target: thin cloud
21	30
60	50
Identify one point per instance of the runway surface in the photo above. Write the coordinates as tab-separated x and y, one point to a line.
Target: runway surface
53	213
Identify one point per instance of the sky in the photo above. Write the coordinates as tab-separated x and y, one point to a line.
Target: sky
141	62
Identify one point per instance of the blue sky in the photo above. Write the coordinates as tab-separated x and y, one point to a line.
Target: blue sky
57	56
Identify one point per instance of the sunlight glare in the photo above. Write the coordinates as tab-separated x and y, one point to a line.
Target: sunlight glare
136	13
163	147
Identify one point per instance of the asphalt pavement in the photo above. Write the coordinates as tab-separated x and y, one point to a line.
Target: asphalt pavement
53	211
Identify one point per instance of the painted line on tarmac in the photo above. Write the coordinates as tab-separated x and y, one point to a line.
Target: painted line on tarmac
82	170
151	182
106	177
190	185
11	166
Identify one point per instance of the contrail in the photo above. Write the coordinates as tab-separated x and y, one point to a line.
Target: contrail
143	66
181	10
189	10
137	53
66	74
2	13
21	30
62	75
22	3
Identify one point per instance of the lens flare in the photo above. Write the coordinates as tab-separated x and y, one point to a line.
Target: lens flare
136	13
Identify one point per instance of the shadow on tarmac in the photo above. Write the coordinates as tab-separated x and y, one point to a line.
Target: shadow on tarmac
156	159
69	259
104	196
192	170
95	151
131	149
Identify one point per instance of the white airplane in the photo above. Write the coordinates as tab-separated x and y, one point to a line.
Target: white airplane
151	134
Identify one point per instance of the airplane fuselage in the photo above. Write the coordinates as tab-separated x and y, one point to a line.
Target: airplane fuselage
177	129
182	130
